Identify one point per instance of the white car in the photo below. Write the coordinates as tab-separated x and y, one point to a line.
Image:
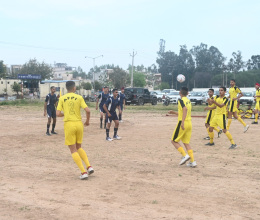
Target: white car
168	91
196	97
160	96
173	97
247	98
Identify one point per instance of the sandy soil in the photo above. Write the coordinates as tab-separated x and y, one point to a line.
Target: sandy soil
137	177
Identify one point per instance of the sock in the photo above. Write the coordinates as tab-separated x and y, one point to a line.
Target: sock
230	137
78	161
216	129
120	117
208	130
53	126
48	127
107	132
181	150
115	131
229	123
241	121
105	123
256	117
101	120
190	152
83	156
211	135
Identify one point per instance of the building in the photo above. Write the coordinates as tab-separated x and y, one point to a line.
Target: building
62	72
15	69
6	86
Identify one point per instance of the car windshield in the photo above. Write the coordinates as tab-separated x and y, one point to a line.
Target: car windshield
196	94
248	94
174	93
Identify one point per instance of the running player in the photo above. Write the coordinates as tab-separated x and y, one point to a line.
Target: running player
102	97
110	107
121	97
70	104
257	103
183	129
220	117
210	114
49	109
233	92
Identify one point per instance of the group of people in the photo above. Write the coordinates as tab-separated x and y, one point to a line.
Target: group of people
69	107
216	118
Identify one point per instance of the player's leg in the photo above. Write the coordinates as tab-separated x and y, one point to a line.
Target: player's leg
207	122
207	128
229	119
48	125
256	112
53	121
241	121
116	121
101	118
120	114
211	135
186	141
108	125
84	157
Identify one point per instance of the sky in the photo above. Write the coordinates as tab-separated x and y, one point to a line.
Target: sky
66	31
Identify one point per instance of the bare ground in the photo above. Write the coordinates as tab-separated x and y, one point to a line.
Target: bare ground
137	177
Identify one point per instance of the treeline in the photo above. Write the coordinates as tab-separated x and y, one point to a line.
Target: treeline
205	66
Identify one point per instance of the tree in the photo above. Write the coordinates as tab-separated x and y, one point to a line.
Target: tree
253	63
237	62
139	79
2	69
16	87
98	86
34	67
164	85
118	77
86	86
79	73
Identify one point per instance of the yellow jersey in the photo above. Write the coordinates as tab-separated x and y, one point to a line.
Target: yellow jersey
184	102
213	104
233	91
221	111
70	104
257	93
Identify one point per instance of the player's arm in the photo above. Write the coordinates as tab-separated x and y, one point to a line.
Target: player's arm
120	110
98	101
124	103
172	112
59	113
222	104
105	107
210	108
87	110
45	109
184	114
59	108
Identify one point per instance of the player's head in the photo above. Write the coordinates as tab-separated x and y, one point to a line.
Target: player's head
53	89
232	82
115	92
184	91
71	86
123	89
249	107
105	89
257	85
211	92
222	90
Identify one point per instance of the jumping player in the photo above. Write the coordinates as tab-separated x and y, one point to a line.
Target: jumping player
220	117
49	109
233	91
110	107
183	129
257	103
70	104
102	97
121	97
210	114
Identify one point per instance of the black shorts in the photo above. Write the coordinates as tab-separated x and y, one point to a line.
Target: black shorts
112	118
51	112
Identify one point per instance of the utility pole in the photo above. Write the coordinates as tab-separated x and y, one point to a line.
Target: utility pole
94	68
132	75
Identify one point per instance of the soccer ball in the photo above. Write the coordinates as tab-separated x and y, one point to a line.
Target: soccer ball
180	78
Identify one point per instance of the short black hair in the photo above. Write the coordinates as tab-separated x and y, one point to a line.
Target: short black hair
52	87
105	87
211	90
70	85
233	80
114	90
224	88
184	90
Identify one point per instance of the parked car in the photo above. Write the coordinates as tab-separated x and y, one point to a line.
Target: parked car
196	97
160	96
139	96
247	98
172	98
168	91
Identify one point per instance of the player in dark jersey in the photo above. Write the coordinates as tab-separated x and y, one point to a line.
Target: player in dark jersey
102	97
50	109
110	107
121	98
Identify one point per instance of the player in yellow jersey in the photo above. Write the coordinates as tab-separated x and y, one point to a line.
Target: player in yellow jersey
220	117
257	103
183	129
70	104
248	113
210	114
233	92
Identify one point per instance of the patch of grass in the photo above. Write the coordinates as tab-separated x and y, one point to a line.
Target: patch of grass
154	202
23	102
24	208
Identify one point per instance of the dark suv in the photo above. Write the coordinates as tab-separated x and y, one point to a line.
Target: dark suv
139	96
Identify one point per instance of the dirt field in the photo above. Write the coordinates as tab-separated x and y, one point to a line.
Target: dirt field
137	177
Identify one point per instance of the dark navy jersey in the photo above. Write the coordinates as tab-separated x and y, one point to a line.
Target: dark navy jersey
51	100
112	104
103	98
121	98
